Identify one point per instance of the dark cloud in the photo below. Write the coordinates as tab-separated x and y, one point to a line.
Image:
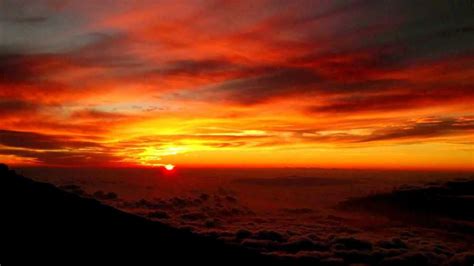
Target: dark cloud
40	26
404	131
92	114
269	235
351	243
15	107
109	50
63	158
436	128
414	258
395	243
393	100
212	223
34	140
26	20
54	149
259	244
413	39
27	77
17	69
190	67
354	256
242	234
302	245
418	32
277	83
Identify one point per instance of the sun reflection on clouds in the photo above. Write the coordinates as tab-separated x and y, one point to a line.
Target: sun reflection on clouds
152	156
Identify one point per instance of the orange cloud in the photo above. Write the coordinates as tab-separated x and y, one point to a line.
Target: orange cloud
236	83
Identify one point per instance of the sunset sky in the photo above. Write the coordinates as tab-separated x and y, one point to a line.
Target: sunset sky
351	84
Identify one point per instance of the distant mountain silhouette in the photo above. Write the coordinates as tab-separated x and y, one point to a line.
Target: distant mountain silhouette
41	223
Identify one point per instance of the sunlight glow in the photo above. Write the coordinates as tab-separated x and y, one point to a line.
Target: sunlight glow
169	167
204	94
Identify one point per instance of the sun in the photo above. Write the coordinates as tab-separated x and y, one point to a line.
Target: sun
168	167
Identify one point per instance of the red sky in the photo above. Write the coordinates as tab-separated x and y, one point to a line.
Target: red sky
384	84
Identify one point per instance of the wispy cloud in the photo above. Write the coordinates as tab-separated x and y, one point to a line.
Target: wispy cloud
125	78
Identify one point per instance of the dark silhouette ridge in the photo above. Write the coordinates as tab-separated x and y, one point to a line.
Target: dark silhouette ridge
41	223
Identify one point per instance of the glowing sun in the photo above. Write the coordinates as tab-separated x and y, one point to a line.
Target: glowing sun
168	167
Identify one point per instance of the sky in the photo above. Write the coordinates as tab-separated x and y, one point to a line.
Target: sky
344	84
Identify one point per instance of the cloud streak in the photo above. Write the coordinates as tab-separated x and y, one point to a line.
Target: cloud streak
199	77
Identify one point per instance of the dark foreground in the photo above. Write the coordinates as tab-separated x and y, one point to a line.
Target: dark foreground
421	225
43	224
